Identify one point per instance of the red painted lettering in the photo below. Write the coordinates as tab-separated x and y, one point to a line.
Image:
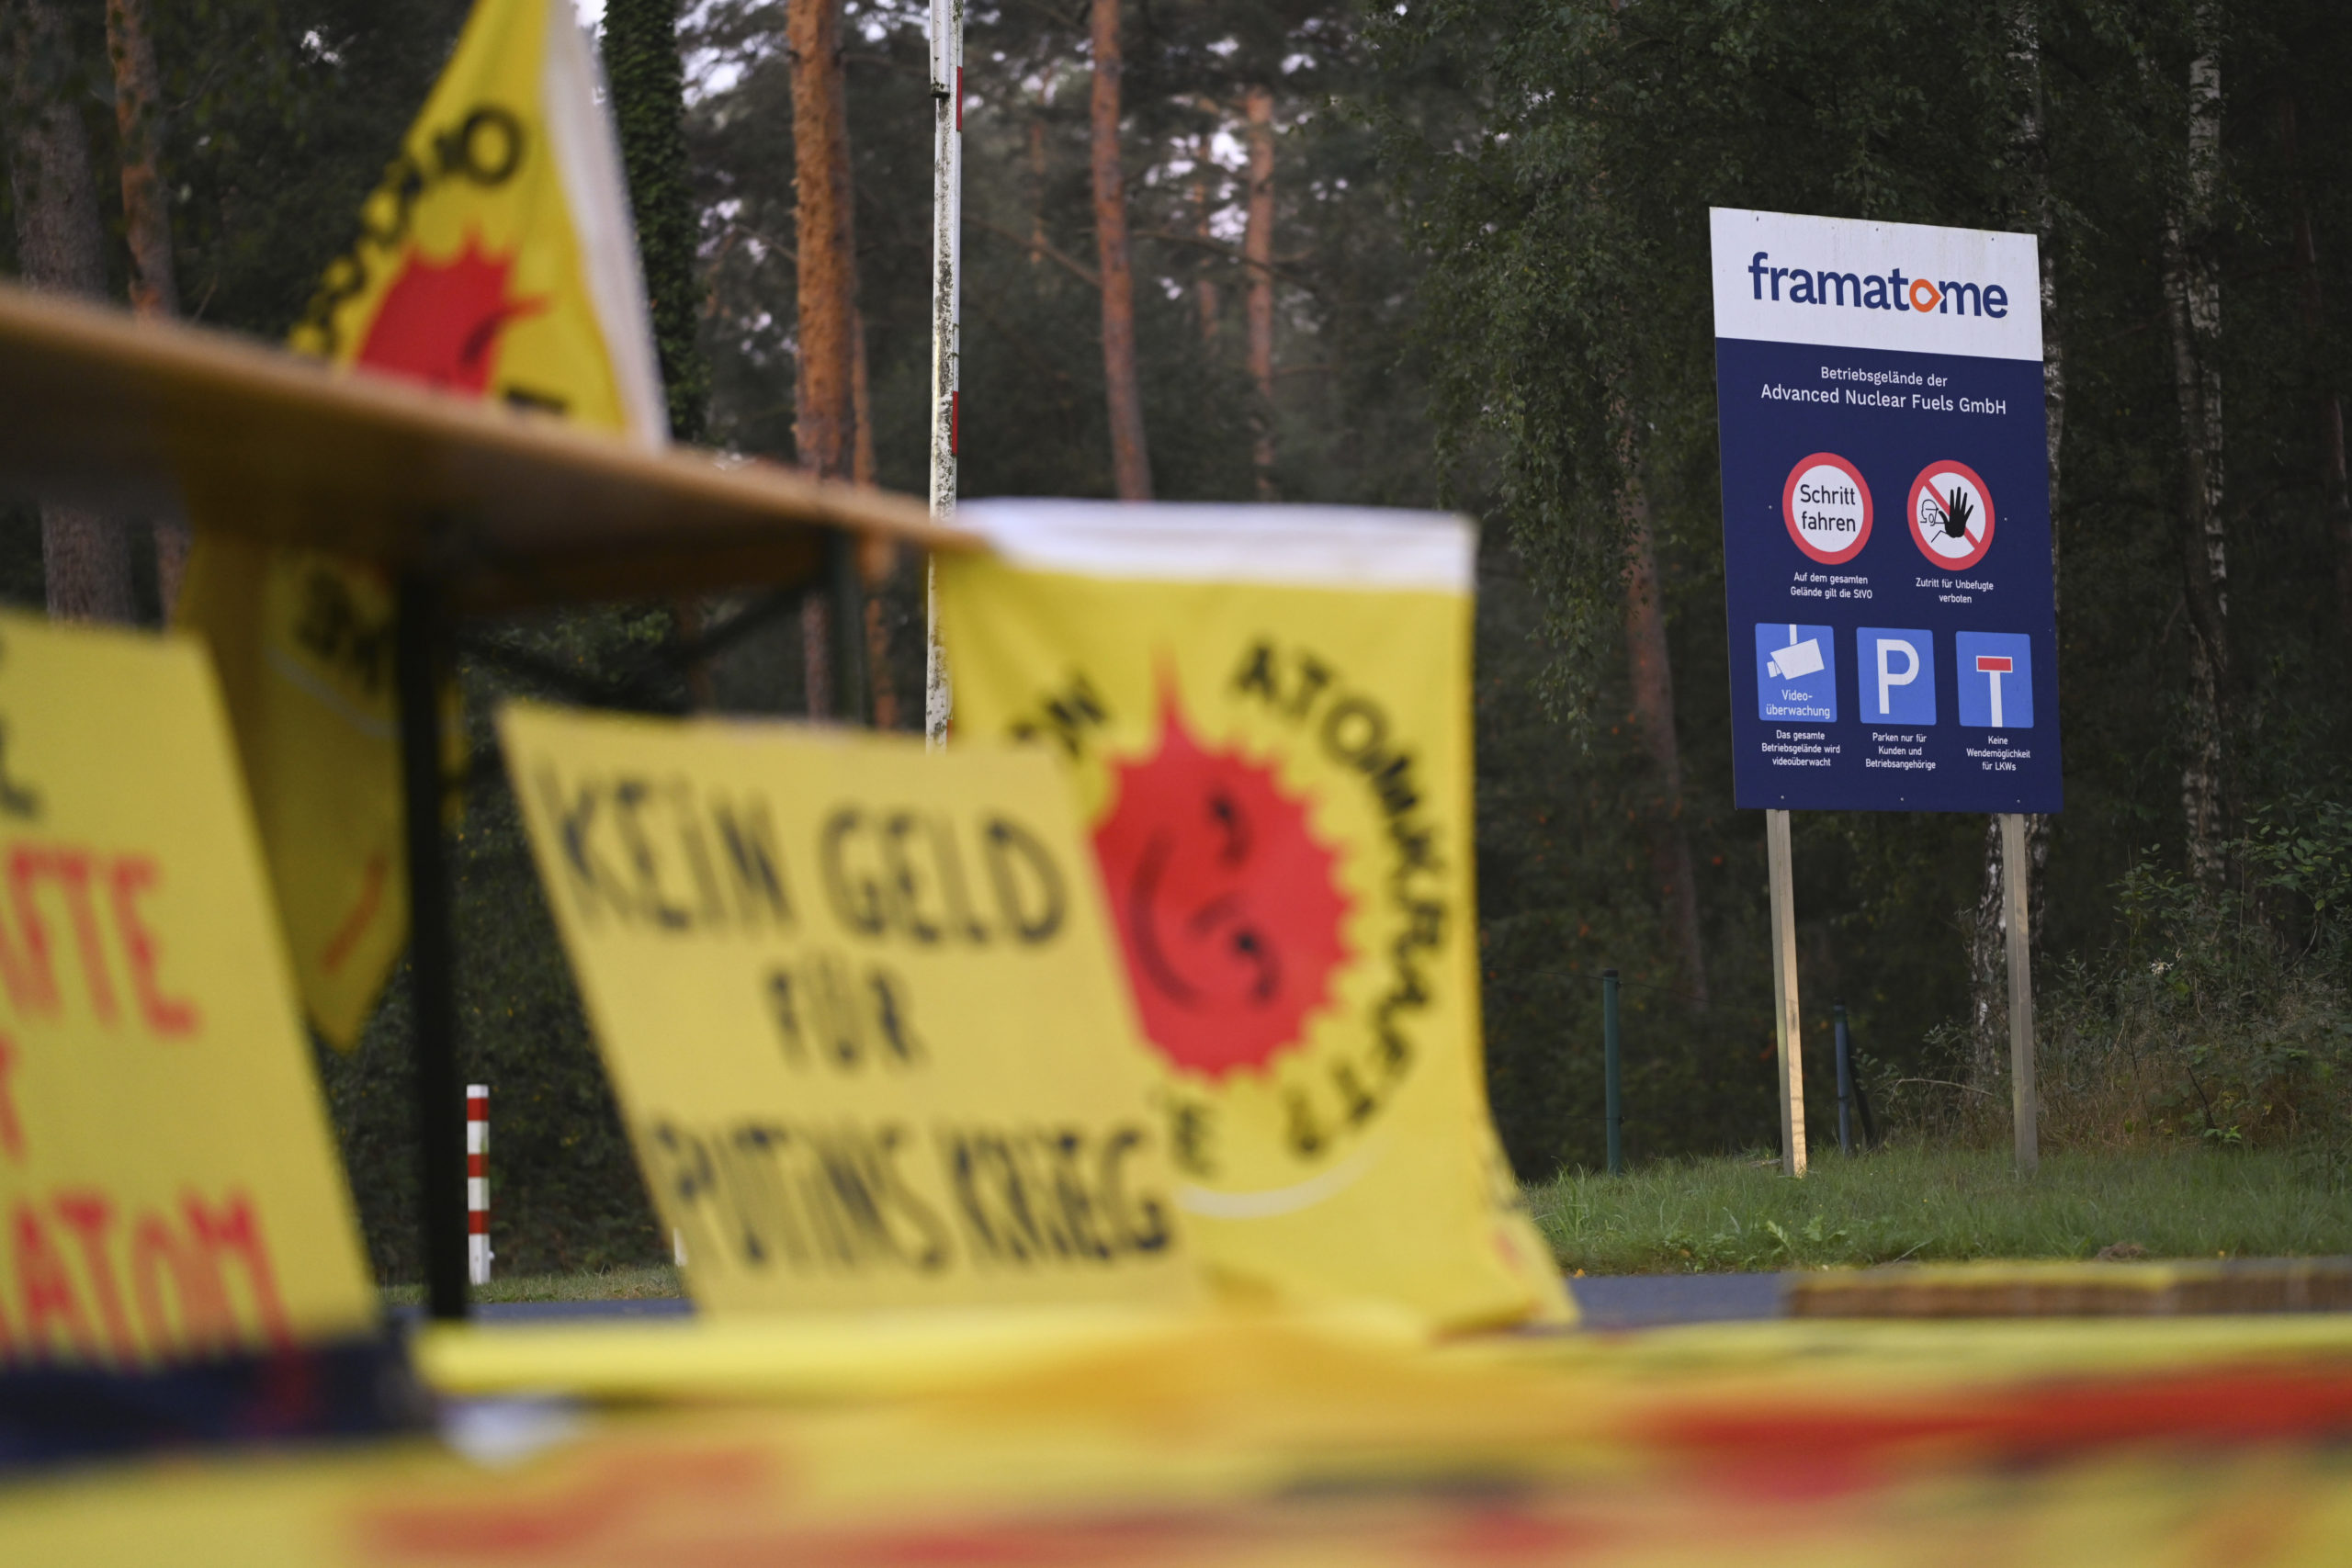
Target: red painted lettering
203	1310
70	869
234	1229
89	1215
165	1015
12	1131
37	981
47	1289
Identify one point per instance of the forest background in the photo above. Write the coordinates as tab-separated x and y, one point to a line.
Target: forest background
1441	252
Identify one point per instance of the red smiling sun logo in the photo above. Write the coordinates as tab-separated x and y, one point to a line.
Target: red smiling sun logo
1226	905
440	321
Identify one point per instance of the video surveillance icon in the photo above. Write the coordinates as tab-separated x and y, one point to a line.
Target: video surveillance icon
1797	659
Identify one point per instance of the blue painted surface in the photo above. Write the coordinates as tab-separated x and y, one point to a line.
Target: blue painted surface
1630	1300
1655	1300
1833	738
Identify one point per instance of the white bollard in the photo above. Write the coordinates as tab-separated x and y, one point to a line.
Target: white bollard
478	1254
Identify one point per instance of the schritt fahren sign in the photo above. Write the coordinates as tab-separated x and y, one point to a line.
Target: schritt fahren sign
1886	515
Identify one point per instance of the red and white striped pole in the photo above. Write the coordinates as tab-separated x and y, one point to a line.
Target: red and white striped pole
477	1183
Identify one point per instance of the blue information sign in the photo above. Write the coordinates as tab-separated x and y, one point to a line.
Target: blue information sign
1886	516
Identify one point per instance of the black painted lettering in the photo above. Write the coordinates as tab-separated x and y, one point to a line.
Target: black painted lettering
952	884
1034	913
903	878
750	842
629	797
593	883
856	899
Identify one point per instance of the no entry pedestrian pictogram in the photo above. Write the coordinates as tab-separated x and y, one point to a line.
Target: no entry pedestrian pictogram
1951	515
1827	506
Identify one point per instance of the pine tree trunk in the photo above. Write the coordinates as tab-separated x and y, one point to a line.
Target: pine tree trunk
146	221
2193	308
1130	458
1671	868
824	430
2037	207
1257	257
61	245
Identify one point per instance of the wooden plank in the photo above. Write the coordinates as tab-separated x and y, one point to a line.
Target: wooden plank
1790	1035
2016	878
507	506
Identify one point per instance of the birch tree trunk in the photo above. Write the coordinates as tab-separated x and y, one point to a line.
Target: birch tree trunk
1258	257
1130	458
2193	309
2037	207
1671	867
1036	186
61	245
2335	492
1205	295
146	221
824	426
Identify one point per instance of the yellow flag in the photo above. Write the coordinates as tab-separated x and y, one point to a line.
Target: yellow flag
862	1011
496	259
169	1185
1266	714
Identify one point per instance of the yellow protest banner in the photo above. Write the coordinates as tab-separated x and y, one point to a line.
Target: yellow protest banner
496	259
861	1010
1266	714
168	1188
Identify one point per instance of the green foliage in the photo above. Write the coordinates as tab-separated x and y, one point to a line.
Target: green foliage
1921	1205
279	118
2212	1016
1554	163
645	1283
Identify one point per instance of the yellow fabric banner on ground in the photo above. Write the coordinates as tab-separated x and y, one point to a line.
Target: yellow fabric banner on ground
496	259
861	1010
167	1187
1266	714
1234	1444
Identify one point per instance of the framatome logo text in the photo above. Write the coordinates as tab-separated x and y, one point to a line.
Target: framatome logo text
1875	291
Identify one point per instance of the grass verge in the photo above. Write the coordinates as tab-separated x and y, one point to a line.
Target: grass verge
1688	1216
647	1283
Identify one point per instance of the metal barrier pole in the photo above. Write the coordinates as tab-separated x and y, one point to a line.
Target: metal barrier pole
1612	1075
478	1252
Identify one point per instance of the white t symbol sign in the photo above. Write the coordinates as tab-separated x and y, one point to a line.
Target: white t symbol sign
1995	666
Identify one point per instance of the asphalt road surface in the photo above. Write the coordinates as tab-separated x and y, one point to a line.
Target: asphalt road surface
1627	1300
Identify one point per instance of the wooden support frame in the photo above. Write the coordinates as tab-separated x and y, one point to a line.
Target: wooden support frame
470	507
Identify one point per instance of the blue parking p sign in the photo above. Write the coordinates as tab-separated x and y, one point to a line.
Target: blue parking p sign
1895	668
1886	515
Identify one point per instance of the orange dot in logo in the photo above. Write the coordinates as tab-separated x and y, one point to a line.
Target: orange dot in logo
1935	295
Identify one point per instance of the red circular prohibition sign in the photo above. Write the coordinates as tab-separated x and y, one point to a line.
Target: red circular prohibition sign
1948	536
1789	508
